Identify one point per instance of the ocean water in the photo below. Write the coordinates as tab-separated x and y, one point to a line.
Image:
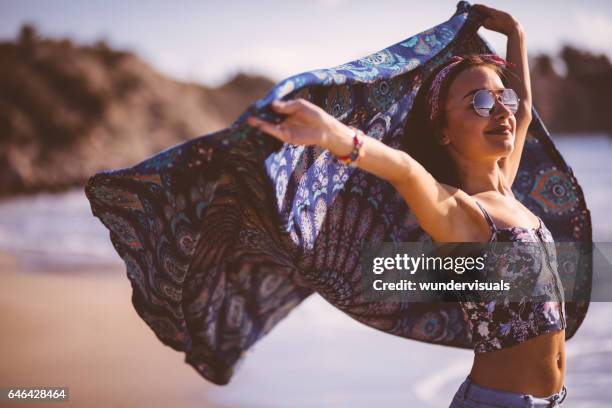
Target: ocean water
319	356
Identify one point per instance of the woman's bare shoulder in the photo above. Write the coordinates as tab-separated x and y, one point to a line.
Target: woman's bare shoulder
467	220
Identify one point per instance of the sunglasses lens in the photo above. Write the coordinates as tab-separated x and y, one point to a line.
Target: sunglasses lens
483	102
510	100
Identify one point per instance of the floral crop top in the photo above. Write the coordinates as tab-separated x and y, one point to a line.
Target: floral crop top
496	325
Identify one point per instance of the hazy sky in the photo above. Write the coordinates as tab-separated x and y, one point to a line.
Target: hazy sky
207	41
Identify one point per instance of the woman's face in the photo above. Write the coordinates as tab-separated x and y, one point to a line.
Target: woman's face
472	136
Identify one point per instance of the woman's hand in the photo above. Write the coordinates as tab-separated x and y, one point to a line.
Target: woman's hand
497	20
305	124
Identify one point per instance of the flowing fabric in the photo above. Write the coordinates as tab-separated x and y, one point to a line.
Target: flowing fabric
223	235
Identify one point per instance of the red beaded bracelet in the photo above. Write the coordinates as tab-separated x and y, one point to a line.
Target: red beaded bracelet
351	158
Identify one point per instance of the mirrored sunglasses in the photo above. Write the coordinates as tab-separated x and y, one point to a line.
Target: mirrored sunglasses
484	101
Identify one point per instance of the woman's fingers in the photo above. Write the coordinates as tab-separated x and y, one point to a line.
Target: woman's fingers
483	8
495	19
287	107
273	129
293	108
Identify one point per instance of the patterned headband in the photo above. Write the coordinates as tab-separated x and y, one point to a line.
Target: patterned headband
434	91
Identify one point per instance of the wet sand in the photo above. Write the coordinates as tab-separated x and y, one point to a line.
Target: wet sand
78	329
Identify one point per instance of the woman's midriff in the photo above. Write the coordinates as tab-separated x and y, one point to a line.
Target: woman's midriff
535	367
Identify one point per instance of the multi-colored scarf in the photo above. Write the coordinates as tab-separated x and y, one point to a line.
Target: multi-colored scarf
223	235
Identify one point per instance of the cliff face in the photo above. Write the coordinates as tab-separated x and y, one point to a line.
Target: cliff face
68	111
578	101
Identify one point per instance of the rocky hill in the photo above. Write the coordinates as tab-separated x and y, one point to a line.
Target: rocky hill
68	111
579	101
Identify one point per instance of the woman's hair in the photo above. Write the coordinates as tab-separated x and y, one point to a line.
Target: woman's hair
421	135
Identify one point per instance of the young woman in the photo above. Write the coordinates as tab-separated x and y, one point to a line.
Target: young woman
464	113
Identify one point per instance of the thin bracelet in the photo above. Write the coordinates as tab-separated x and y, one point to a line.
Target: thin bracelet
357	152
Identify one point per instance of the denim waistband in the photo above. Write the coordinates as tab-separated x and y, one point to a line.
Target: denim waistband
477	393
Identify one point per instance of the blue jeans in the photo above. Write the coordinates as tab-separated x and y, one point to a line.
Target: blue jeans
471	395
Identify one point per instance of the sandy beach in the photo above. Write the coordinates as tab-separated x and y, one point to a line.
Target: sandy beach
78	329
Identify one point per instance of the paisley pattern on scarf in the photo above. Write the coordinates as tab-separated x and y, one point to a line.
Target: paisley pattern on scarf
225	234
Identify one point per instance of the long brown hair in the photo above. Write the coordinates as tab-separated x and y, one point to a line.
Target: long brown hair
421	136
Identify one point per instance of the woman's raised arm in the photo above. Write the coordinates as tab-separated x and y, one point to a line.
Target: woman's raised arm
516	53
435	205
